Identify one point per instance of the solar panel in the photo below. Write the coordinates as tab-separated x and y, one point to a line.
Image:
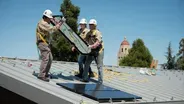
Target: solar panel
71	36
99	92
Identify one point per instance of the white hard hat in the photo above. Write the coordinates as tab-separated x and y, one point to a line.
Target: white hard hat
83	21
93	21
48	13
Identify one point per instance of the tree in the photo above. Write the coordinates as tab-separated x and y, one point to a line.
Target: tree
170	59
139	55
180	60
181	48
180	63
61	48
71	13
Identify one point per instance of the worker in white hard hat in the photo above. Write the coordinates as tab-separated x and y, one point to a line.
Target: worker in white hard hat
94	39
81	58
43	31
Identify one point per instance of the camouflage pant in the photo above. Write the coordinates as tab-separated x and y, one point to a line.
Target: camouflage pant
46	57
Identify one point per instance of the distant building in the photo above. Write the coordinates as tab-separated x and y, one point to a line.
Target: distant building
123	50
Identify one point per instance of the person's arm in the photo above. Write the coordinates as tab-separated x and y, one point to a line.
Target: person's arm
46	27
95	45
98	41
86	38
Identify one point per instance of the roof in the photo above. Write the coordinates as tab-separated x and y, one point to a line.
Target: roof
16	75
125	42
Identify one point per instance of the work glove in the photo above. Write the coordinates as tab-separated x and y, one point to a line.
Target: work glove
90	46
63	19
58	25
73	49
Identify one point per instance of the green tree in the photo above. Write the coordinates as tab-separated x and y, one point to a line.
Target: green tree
170	59
180	60
180	63
181	48
71	13
61	48
139	55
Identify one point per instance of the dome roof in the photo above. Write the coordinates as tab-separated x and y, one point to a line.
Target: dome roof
125	42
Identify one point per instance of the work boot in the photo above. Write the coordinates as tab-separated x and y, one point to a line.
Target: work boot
44	79
100	82
83	80
91	75
47	76
79	75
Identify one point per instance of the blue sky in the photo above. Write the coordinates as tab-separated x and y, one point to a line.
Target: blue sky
157	22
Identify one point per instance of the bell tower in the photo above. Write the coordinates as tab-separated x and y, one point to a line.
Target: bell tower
123	50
